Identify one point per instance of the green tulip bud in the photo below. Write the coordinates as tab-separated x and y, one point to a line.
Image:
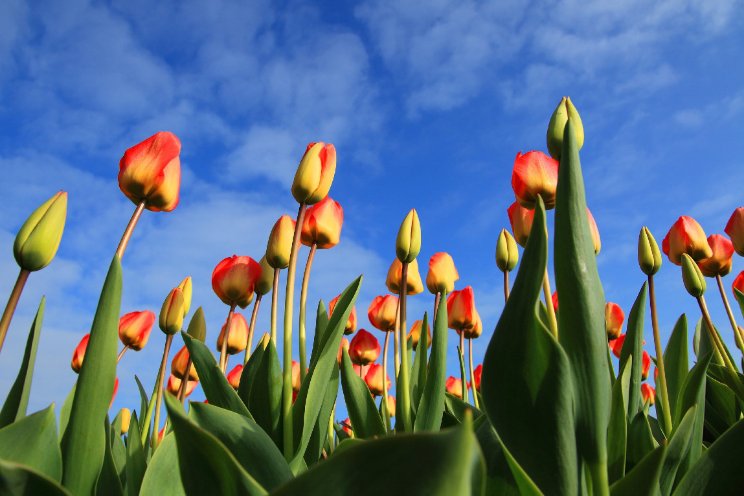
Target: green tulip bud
408	244
692	276
171	314
507	254
38	239
649	256
198	326
561	115
266	282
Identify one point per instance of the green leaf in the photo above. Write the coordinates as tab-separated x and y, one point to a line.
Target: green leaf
678	447
418	370
740	299
581	319
160	478
144	401
360	405
319	437
265	397
17	480
17	400
504	475
431	405
136	464
458	408
206	465
248	376
676	361
109	482
32	441
633	346
617	432
644	478
321	324
721	407
640	439
526	381
64	412
118	450
84	440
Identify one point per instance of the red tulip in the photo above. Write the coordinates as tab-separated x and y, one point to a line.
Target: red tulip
340	355
415	334
346	427
322	224
382	312
374	380
648	393
535	174
150	172
645	366
616	345
461	312
234	280
686	236
361	370
718	264
554	299
238	337
364	348
520	219
735	230
595	232
135	328
233	377
351	322
614	318
178	365
79	354
454	386
174	384
738	283
477	376
442	273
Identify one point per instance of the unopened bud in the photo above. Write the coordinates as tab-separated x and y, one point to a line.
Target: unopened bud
692	276
171	314
649	256
408	243
507	254
557	126
38	239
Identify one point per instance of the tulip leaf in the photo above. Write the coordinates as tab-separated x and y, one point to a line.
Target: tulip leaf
265	397
365	420
248	376
581	319
253	449
32	442
676	361
118	450
693	394
740	299
319	437
64	412
206	465
160	478
504	475
644	478
16	479
721	406
678	447
321	324
640	440
526	365
144	401
136	464
431	405
15	404
218	391
617	432
84	441
109	481
633	347
418	370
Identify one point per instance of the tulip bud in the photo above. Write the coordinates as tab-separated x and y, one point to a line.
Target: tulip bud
477	373
614	318
234	376
718	264
563	112
351	322
364	348
594	231
237	338
535	174
296	384
408	242
374	380
442	273
322	224
454	386
234	280
265	283
649	256
198	326
414	285
382	312
315	173
174	384
178	365
692	276
126	418
171	314
79	354
38	239
520	219
390	403
415	334
150	172
343	346
735	230
648	393
686	236
186	289
616	345
507	253
461	312
135	328
645	365
738	284
279	246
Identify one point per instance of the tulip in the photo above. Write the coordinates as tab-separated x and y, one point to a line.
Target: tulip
474	331
322	224
554	300
236	337
692	277
735	230
648	393
375	382
594	231
126	417
649	256
79	354
477	373
171	313
150	172
415	334
616	345
279	246
315	173
614	318
391	405
382	312
234	376
408	243
361	370
507	254
461	312
351	322
234	280
535	174
135	328
343	346
296	383
645	365
116	390
364	348
563	112
414	285
442	273
686	236
454	386
719	263
178	365
265	283
174	385
520	219
346	427
186	288
38	239
738	284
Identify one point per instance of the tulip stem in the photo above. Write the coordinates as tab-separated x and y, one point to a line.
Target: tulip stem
10	307
662	382
714	335
385	413
403	391
159	386
732	320
223	350
184	381
251	328
274	305
549	304
472	373
288	318
121	353
396	342
461	353
437	299
129	230
506	286
303	313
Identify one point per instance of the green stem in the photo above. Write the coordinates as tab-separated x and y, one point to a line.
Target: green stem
662	382
714	335
121	353
274	305
184	382
403	402
124	241
303	305
437	299
159	385
385	413
223	351
251	328
732	320
553	322
15	295
506	286
396	341
472	373
331	438
461	352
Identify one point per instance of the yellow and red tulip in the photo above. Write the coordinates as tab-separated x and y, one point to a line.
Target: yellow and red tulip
234	280
719	263
315	173
473	331
296	376
265	283
374	380
382	312
461	311
79	354
238	336
171	313
595	232
179	363
391	405
344	345
616	345
648	393
686	236
233	377
535	174
735	230
738	283
322	224
415	333
614	318
645	365
279	246
39	237
364	348
346	427
454	386
442	273
520	219
351	322
135	328
414	285
174	384
186	288
477	373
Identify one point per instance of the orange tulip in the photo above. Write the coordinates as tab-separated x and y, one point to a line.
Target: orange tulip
233	377
174	384
520	219
296	376
178	365
322	224
79	354
238	337
535	174
648	393
364	348
454	386
475	331
150	172
135	328
374	380
616	345
315	173
735	230
361	370
645	365
382	312
477	373
391	405
461	312
595	232
414	285
415	333
351	322
738	284
279	246
686	236
234	280
344	344
718	264
614	318
442	273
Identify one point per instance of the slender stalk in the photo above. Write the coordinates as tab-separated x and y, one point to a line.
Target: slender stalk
385	413
184	381
402	389
274	305
506	286
396	341
464	383
159	385
129	230
223	351
303	305
714	335
549	304
472	373
121	353
732	320
288	318
10	307
251	328
437	299
661	384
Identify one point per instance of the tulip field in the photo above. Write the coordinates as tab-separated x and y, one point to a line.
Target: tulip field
574	396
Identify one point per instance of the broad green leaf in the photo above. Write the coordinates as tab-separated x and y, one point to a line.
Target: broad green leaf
644	478
360	405
17	480
633	347
84	440
458	408
118	450
431	405
581	319
321	325
617	432
17	400
678	447
136	464
32	441
640	440
721	407
504	476
319	437
248	376
526	381
162	478
109	481
206	465
418	370
265	397
64	412
693	394
676	361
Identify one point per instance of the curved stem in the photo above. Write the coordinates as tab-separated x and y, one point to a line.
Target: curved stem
274	305
385	413
714	335
472	374
303	305
10	307
251	328
121	353
661	384
732	320
184	381
403	404
159	385
129	230
223	350
506	286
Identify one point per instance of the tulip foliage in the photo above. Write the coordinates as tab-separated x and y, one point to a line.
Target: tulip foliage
548	412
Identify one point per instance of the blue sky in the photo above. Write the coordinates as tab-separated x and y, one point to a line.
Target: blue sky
427	104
